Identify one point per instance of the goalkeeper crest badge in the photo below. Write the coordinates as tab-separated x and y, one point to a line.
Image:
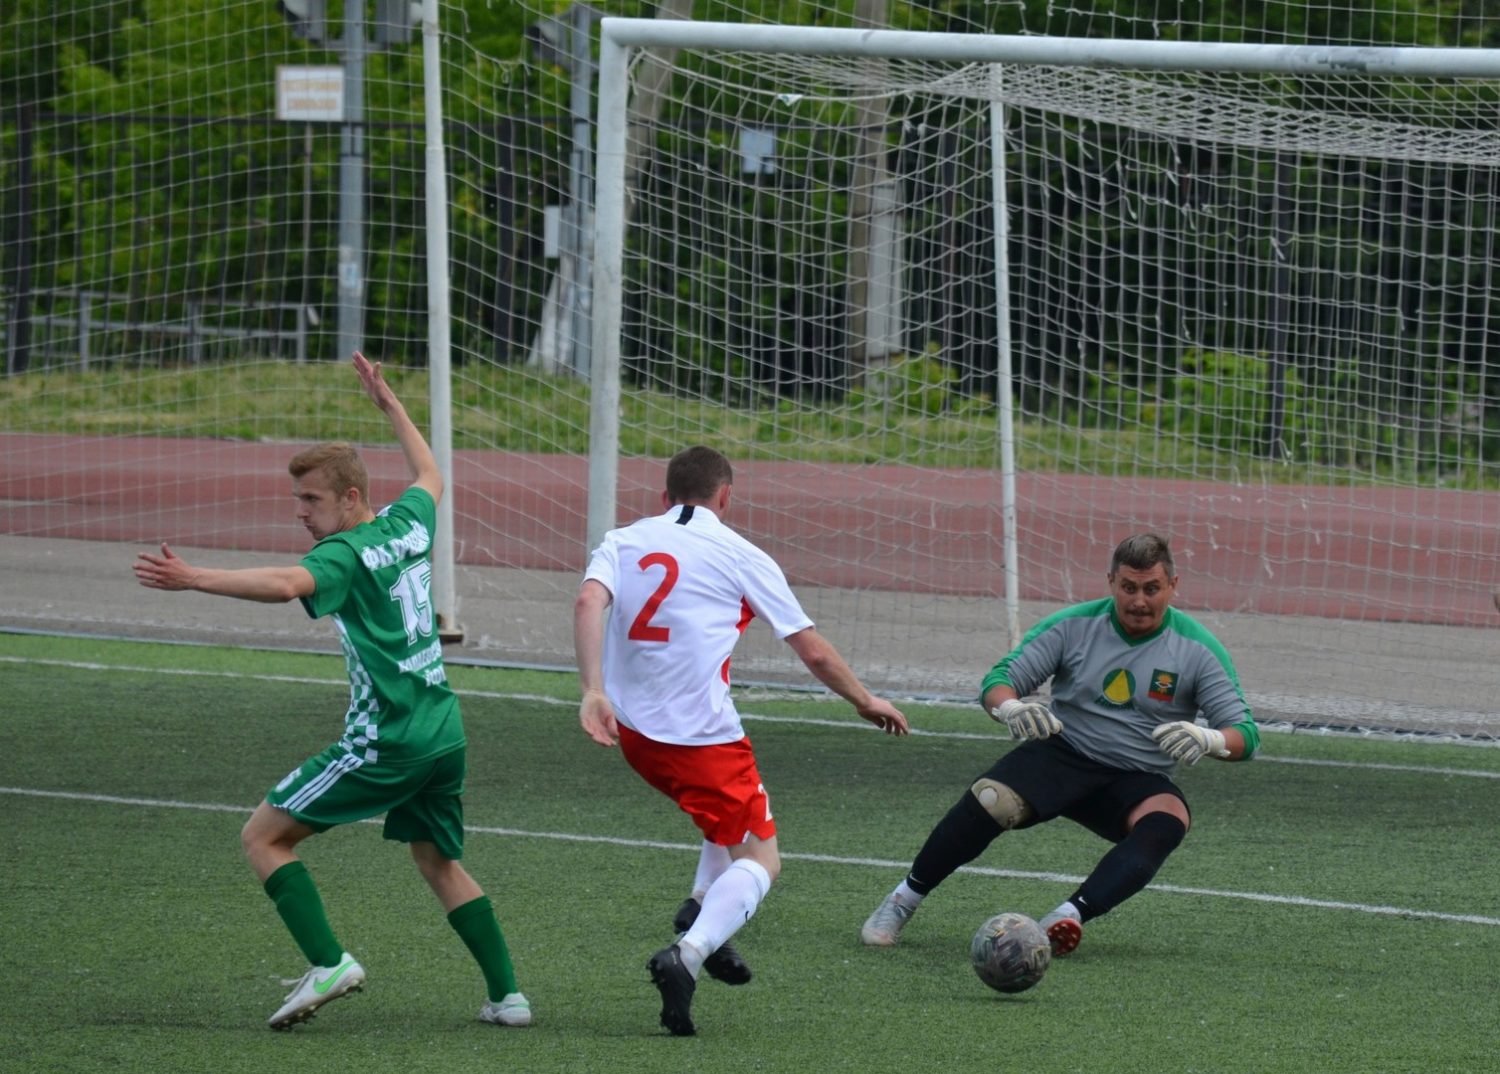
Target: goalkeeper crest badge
1163	685
1119	689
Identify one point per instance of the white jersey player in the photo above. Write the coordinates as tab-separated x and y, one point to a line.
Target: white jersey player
662	604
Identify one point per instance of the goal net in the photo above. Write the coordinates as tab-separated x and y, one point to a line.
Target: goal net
960	325
1251	311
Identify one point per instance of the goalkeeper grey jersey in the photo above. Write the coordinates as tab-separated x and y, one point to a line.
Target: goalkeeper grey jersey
1110	690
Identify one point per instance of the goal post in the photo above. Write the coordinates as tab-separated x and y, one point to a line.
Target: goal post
621	38
439	315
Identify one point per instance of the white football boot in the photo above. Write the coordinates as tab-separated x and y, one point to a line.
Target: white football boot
513	1010
317	986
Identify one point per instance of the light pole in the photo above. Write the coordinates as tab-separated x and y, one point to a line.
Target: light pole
394	20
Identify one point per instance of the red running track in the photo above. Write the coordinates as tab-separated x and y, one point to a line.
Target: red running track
1358	553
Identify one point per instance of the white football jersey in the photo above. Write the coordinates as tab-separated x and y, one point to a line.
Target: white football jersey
685	587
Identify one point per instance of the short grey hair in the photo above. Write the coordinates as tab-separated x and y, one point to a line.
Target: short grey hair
1142	552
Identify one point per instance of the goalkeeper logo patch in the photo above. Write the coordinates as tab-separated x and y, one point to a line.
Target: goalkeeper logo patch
1163	685
1119	688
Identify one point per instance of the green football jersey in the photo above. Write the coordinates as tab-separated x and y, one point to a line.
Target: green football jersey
374	581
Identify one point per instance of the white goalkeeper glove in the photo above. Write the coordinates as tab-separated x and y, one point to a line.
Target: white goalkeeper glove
1026	719
1185	741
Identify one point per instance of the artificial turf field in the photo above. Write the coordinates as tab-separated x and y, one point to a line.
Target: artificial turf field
1335	908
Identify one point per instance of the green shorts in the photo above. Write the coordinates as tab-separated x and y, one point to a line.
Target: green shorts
422	802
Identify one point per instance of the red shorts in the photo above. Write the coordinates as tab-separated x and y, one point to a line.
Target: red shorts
718	786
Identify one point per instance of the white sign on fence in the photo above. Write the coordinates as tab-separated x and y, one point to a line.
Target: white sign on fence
310	94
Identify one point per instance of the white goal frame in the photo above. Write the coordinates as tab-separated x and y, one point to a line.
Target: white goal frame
621	37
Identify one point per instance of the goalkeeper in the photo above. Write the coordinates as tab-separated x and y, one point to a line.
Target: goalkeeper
1130	676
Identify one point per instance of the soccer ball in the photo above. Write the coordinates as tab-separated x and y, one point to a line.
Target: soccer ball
1010	952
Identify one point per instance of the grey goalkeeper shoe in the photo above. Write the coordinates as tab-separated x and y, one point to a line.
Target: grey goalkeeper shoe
883	926
1064	933
726	964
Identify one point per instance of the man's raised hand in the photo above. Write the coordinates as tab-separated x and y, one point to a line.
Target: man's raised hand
373	381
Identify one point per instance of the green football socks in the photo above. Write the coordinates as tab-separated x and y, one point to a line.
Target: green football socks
477	926
297	900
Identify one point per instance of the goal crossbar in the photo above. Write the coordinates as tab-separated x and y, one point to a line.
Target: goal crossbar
1057	51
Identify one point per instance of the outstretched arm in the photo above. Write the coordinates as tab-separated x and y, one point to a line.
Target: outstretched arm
419	457
824	661
269	585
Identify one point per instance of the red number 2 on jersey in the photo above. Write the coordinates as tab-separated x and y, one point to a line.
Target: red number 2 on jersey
641	629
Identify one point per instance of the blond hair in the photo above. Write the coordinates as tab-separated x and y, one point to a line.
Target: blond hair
340	465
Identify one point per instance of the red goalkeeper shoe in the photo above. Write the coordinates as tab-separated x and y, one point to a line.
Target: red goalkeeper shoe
1063	932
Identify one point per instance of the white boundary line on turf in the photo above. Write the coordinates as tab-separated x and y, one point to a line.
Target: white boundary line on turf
808	721
822	859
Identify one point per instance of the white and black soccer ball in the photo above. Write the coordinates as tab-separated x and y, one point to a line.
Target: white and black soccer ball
1010	952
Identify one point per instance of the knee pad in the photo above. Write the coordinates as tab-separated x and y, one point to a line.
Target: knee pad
1007	808
1158	834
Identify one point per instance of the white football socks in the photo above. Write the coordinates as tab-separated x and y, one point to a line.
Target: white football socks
712	861
729	902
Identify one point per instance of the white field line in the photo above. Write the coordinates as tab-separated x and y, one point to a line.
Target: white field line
808	721
825	859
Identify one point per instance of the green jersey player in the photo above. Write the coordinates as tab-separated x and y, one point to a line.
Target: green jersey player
402	751
1131	678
